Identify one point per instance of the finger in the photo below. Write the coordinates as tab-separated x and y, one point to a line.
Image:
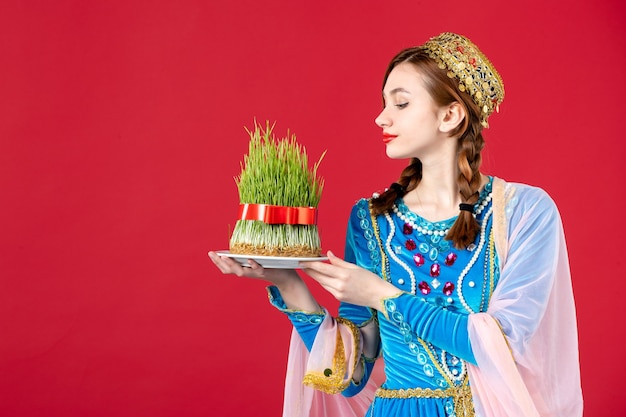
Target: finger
329	283
227	265
325	281
329	279
320	267
254	264
218	260
233	267
337	261
219	263
256	269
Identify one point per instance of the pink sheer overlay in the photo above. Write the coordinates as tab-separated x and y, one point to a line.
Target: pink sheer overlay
534	370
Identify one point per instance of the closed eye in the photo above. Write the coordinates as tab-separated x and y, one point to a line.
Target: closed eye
401	105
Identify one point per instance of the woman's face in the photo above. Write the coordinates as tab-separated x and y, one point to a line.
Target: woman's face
410	119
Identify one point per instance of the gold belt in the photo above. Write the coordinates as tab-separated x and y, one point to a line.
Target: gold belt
462	396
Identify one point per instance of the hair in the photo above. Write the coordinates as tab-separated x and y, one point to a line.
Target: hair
444	91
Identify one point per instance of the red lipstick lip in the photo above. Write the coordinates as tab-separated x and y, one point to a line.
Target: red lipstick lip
388	138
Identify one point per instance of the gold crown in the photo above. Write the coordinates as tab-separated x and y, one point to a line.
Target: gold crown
470	66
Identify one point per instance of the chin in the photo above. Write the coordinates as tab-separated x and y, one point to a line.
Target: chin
395	155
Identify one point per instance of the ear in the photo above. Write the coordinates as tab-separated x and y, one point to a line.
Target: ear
452	115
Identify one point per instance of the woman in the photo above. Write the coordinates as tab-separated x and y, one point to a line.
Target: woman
474	311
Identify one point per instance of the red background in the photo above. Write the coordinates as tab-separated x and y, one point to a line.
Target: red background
122	127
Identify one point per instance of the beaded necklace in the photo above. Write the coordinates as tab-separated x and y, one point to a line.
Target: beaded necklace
477	251
392	232
437	228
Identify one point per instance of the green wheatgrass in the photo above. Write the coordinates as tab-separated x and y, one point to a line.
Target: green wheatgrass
276	172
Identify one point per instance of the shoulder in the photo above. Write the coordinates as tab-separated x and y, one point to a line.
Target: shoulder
525	198
359	211
360	207
530	194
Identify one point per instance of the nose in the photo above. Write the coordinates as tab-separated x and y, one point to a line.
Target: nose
383	120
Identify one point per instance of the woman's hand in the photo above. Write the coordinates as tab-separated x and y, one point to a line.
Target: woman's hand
350	283
292	288
277	277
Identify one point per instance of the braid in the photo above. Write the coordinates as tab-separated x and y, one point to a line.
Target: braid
409	178
465	229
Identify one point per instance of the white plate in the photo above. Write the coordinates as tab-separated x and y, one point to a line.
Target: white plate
275	262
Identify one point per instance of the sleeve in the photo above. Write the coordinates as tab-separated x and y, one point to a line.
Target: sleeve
534	368
443	328
305	323
527	276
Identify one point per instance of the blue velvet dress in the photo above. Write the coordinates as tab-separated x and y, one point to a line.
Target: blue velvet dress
423	331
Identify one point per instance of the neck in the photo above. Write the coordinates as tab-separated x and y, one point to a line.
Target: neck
437	195
439	182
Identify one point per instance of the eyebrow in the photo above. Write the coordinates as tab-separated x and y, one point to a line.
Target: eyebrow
398	90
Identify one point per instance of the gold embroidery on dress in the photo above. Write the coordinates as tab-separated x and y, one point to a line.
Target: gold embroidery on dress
384	262
356	334
332	380
461	395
